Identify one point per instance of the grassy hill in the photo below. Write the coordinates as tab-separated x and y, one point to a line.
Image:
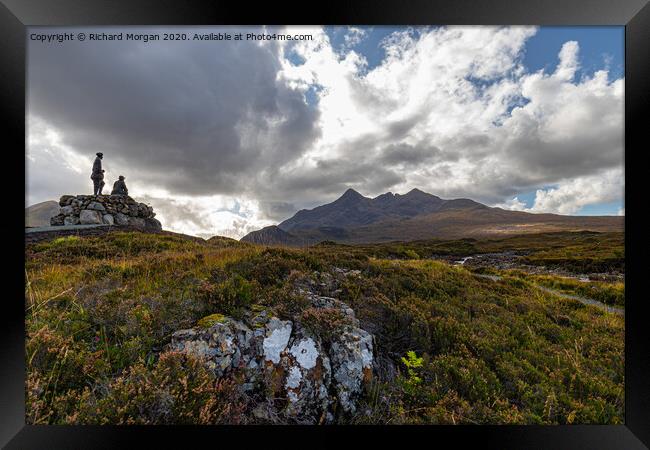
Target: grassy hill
464	349
38	215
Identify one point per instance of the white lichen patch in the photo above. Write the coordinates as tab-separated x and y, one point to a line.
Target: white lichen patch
275	343
294	377
305	353
366	357
293	398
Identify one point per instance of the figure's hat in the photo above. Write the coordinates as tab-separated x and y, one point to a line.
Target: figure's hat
99	154
122	177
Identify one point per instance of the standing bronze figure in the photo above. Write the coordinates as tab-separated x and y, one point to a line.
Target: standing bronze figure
98	175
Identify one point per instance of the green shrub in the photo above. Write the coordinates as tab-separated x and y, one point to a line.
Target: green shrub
325	322
230	297
178	391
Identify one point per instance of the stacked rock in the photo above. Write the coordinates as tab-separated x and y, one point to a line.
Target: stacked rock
105	209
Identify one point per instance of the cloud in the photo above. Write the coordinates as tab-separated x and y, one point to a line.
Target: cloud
407	155
568	65
51	164
572	195
279	126
354	36
492	129
207	216
514	204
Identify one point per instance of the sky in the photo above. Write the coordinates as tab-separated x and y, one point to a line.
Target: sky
226	137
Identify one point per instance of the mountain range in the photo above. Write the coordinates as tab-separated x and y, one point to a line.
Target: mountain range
353	218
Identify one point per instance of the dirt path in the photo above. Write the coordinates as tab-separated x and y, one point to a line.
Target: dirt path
583	300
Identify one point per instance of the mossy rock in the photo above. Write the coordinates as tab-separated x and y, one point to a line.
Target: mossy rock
257	308
211	320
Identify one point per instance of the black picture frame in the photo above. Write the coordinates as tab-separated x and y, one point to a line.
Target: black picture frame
16	15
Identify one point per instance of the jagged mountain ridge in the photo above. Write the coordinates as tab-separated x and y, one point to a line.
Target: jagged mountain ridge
353	210
354	218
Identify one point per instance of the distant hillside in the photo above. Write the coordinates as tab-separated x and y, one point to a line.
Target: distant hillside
38	215
353	210
272	236
416	215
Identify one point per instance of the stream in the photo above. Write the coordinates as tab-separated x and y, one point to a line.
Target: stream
583	300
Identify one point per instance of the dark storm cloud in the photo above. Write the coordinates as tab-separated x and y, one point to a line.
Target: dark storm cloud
406	154
194	117
277	210
332	177
584	155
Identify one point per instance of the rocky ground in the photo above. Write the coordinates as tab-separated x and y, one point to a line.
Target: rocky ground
304	371
513	260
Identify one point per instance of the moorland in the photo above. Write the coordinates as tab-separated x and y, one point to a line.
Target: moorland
466	331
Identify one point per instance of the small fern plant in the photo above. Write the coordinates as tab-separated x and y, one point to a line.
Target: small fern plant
413	365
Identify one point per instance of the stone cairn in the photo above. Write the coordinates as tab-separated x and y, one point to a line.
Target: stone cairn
119	210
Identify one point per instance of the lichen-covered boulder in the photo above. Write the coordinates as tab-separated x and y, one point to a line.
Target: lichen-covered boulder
303	375
108	219
223	345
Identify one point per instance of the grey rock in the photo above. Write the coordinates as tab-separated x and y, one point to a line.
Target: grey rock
308	378
88	217
57	220
121	219
351	357
288	361
97	206
108	219
216	345
136	222
67	210
71	220
65	200
152	224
